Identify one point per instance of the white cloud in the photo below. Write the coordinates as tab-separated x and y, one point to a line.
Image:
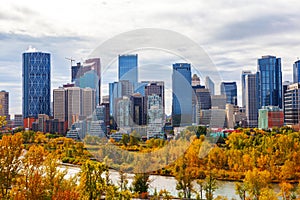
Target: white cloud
233	33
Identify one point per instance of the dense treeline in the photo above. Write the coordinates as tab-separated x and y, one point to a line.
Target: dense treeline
29	165
253	156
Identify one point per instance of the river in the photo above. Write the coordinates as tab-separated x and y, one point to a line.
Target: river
225	188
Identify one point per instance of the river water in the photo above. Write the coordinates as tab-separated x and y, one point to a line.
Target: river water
225	188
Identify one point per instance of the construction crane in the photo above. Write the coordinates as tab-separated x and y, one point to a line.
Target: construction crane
71	60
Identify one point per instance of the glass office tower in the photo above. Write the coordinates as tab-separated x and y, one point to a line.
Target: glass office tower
230	90
128	68
269	77
296	72
182	94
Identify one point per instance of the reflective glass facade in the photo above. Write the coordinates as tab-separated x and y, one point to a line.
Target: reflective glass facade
36	84
296	72
128	68
182	94
230	90
269	77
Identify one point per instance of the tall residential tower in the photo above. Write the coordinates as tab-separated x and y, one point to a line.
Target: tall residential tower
36	83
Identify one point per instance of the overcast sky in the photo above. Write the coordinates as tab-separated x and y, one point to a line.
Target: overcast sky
234	33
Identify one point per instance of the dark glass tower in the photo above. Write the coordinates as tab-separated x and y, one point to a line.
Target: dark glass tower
296	72
269	79
36	84
182	94
230	90
128	68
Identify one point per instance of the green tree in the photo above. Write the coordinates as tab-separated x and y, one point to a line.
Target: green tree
141	183
134	138
92	184
125	139
201	130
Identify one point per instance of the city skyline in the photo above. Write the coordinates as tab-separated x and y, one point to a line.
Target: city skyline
234	39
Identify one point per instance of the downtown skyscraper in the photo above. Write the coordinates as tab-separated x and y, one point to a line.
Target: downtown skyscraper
36	73
296	72
269	77
244	74
182	94
230	90
250	98
128	68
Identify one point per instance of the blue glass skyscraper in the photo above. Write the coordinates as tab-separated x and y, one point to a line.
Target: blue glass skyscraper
128	68
296	72
182	94
36	84
269	79
230	90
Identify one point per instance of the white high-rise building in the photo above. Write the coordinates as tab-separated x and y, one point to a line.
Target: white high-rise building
244	74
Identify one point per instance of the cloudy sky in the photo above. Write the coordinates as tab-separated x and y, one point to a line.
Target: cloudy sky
233	33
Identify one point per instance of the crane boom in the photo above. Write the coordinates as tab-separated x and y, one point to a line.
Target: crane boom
71	60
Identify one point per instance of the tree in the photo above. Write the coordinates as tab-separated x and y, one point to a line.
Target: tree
165	194
141	183
30	183
123	180
125	139
134	138
184	178
201	183
11	148
2	121
240	190
54	178
210	186
255	181
286	190
92	184
201	130
267	194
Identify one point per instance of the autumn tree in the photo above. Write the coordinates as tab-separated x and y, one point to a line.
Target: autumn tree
210	186
30	183
255	181
184	178
240	189
11	148
2	121
286	190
